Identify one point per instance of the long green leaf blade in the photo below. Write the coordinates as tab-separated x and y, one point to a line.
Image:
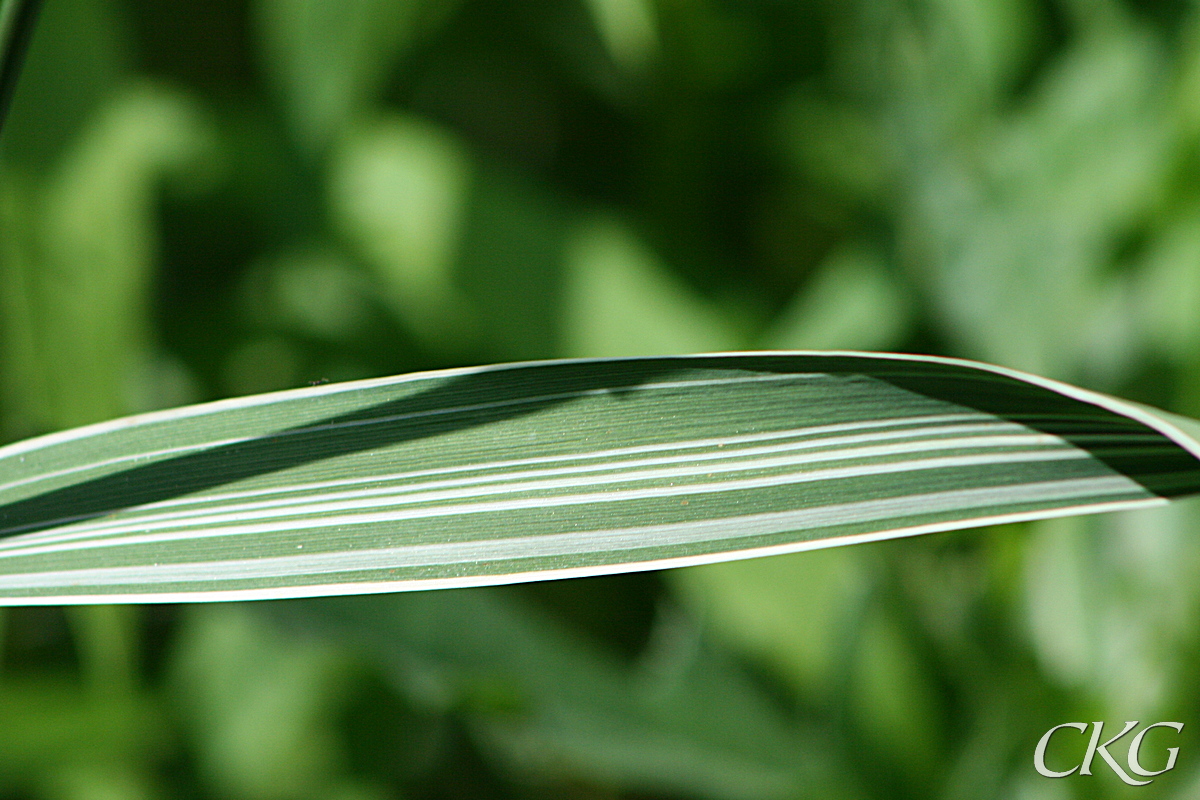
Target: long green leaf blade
556	469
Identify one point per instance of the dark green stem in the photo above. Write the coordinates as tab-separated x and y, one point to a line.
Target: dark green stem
17	18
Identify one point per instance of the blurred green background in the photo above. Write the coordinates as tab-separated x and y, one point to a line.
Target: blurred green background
219	197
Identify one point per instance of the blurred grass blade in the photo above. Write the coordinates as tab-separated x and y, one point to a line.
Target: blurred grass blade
17	18
556	469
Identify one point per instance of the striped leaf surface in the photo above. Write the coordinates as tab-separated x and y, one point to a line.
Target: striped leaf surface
557	469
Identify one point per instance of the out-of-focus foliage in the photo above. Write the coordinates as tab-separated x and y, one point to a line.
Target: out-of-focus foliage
206	199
